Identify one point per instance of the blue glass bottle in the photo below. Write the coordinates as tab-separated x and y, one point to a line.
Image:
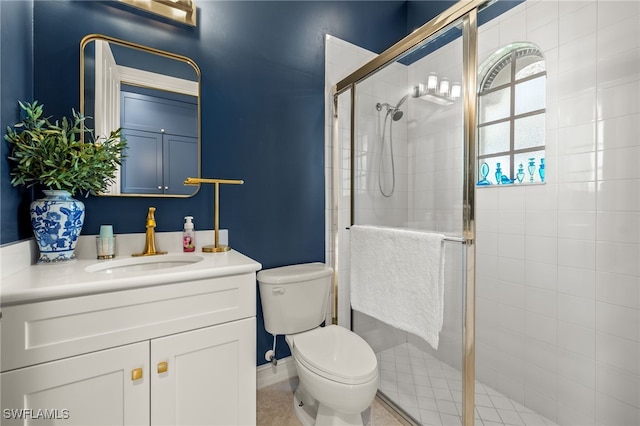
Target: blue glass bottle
520	174
541	170
498	174
532	168
484	172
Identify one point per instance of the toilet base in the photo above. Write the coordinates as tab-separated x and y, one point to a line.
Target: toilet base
310	412
329	417
305	406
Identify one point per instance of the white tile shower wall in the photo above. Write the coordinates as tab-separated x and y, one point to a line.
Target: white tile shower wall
558	306
436	148
558	276
373	170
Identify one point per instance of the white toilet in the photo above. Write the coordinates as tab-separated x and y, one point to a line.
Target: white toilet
338	370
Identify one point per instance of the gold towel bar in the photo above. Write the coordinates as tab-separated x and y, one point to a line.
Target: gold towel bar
196	181
216	247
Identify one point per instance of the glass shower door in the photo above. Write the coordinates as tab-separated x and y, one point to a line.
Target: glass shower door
408	173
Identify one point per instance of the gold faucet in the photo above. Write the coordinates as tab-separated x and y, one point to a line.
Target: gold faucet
150	240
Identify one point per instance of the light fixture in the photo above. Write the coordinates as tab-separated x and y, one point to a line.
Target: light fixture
183	11
456	91
432	81
438	91
444	88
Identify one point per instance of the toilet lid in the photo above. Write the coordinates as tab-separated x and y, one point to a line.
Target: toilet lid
293	274
336	354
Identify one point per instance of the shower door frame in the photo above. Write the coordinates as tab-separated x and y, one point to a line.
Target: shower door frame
468	13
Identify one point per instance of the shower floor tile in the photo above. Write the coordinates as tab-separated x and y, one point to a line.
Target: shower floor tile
431	392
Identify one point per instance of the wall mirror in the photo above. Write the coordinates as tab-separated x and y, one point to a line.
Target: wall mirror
154	96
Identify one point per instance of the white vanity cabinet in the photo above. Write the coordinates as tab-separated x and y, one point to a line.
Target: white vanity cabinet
171	354
210	377
91	389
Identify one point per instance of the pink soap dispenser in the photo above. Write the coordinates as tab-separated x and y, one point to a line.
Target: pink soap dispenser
188	235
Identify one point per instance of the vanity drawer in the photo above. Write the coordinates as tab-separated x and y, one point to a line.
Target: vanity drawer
44	331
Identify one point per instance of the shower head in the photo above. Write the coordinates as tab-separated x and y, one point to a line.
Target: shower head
401	101
395	112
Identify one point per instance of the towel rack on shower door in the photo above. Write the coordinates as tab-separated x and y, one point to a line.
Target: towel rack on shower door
446	238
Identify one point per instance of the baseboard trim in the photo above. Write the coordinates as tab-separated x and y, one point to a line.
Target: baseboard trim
268	374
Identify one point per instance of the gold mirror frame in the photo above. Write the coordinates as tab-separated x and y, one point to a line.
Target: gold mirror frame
99	37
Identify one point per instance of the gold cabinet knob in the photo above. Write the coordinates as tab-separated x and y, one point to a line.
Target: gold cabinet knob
136	374
163	367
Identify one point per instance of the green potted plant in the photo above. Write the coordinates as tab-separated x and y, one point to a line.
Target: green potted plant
64	159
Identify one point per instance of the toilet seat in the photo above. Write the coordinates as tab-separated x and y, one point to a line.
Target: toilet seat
337	354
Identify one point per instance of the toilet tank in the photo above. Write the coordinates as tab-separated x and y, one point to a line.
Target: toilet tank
294	298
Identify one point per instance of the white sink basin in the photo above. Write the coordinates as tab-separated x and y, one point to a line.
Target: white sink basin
145	263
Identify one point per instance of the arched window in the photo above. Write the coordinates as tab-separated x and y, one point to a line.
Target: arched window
511	116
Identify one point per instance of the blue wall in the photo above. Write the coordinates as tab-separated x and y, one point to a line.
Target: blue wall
262	66
262	108
16	82
263	100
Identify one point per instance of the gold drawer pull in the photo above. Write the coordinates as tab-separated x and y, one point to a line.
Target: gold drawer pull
163	367
136	374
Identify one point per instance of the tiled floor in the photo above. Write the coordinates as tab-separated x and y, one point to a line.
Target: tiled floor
431	392
426	388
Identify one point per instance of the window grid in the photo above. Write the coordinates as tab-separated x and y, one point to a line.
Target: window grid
487	89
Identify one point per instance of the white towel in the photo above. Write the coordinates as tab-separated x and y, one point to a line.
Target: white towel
397	276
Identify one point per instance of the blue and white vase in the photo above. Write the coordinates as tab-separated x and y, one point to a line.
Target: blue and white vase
57	220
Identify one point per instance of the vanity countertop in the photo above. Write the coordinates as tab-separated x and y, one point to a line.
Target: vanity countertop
71	279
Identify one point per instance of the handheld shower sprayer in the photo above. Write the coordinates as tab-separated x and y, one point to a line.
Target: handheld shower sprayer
401	101
396	114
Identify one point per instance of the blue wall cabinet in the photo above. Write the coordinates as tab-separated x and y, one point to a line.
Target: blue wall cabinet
162	144
144	174
181	161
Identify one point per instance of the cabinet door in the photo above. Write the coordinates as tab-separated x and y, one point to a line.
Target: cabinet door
156	111
142	166
92	389
180	162
210	376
